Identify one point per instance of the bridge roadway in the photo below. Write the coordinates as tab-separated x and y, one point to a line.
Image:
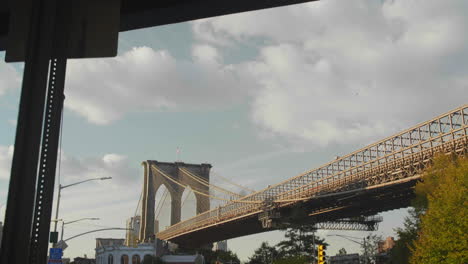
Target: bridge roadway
374	179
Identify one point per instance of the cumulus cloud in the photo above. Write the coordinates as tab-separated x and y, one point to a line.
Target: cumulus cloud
339	71
143	79
109	165
9	78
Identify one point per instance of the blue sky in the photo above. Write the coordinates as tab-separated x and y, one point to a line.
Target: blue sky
262	96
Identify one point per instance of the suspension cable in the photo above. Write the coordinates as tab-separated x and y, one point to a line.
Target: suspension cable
201	193
233	183
204	182
161	203
186	197
138	204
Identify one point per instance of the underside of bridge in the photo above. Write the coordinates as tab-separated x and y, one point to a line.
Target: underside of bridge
358	203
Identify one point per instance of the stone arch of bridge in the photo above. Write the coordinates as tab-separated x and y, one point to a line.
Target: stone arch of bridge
153	180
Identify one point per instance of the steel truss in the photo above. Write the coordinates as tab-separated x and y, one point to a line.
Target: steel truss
352	224
392	160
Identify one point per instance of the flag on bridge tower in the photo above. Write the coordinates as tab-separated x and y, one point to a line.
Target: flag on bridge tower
178	153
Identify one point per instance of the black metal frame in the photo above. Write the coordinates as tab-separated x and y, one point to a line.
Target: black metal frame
25	238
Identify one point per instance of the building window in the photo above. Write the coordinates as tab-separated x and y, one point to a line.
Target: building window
124	259
110	259
136	259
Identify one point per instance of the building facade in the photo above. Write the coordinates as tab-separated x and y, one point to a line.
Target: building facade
79	260
114	251
133	226
386	245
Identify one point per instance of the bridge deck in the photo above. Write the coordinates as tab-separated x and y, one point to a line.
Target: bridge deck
376	178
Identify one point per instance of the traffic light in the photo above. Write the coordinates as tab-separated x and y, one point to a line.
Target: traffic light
321	254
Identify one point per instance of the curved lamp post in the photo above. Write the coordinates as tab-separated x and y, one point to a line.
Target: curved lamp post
69	185
65	223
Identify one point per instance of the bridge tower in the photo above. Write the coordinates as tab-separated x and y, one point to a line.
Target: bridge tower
173	176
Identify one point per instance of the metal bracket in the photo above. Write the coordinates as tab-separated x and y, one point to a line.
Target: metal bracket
269	214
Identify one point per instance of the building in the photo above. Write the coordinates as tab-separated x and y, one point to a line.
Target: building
84	260
221	246
386	245
114	251
344	259
133	226
176	259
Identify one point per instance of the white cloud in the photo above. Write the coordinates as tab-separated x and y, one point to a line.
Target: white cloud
9	78
12	122
340	71
6	155
109	165
142	79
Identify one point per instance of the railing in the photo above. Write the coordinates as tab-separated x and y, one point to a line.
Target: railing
393	158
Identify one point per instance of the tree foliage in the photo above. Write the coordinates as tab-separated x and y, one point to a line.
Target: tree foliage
265	254
401	252
218	255
299	242
443	236
342	252
295	248
369	248
293	260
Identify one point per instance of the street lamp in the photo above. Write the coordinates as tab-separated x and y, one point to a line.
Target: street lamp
65	223
69	185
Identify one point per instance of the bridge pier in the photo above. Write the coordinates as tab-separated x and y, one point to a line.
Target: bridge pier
176	207
175	177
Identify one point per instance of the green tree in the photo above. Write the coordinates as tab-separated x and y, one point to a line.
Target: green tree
369	248
342	251
401	252
265	254
293	260
299	242
443	237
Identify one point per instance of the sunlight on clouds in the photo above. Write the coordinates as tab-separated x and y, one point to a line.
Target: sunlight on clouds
354	70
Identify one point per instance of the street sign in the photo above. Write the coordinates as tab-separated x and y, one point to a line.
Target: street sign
55	254
53	237
61	244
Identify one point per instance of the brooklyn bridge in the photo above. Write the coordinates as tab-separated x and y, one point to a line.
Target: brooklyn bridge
373	179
